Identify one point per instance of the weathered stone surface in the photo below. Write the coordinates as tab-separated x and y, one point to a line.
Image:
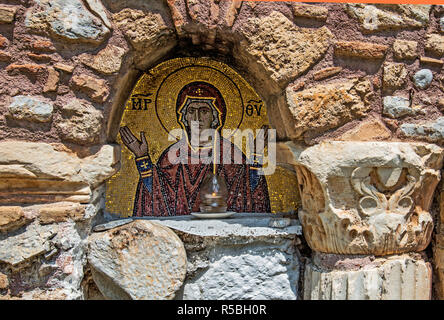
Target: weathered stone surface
81	123
369	130
31	109
396	107
95	88
394	75
4	283
97	7
310	11
39	57
140	260
61	212
42	46
360	49
405	49
432	130
107	61
5	56
441	24
28	68
435	44
423	78
283	49
51	173
20	247
3	42
52	80
64	67
11	217
145	30
323	107
238	258
428	60
7	13
66	19
438	250
376	203
378	17
326	72
368	278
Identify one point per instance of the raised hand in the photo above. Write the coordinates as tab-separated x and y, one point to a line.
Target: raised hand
136	146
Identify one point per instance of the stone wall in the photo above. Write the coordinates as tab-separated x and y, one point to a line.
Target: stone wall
342	72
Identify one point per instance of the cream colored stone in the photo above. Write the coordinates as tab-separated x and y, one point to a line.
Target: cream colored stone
140	260
369	130
50	172
283	49
64	67
107	61
405	49
7	13
4	283
147	32
348	207
394	75
310	11
81	123
52	80
323	107
11	217
360	49
435	44
393	278
377	17
69	20
61	212
95	88
23	246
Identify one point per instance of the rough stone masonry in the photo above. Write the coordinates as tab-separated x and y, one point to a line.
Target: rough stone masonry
360	80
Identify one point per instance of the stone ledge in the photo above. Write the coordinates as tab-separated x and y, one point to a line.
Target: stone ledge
252	225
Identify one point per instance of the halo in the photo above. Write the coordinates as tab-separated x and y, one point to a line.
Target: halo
167	93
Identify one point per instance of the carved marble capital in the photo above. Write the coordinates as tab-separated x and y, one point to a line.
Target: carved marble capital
366	197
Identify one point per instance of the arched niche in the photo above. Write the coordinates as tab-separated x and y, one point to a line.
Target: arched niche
145	186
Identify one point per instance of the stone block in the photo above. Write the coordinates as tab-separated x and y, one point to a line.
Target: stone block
378	17
7	13
140	260
405	49
281	48
61	212
30	109
68	20
435	44
11	218
432	130
326	72
396	107
81	123
394	75
310	11
379	278
95	88
423	78
365	197
360	49
370	130
107	61
327	106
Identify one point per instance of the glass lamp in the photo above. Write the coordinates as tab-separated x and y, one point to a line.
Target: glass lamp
213	194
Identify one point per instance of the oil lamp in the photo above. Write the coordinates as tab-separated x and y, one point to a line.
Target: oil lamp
213	194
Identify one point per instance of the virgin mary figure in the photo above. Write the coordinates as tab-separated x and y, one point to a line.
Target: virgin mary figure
170	188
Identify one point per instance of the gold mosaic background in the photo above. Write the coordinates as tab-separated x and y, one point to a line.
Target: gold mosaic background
160	87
